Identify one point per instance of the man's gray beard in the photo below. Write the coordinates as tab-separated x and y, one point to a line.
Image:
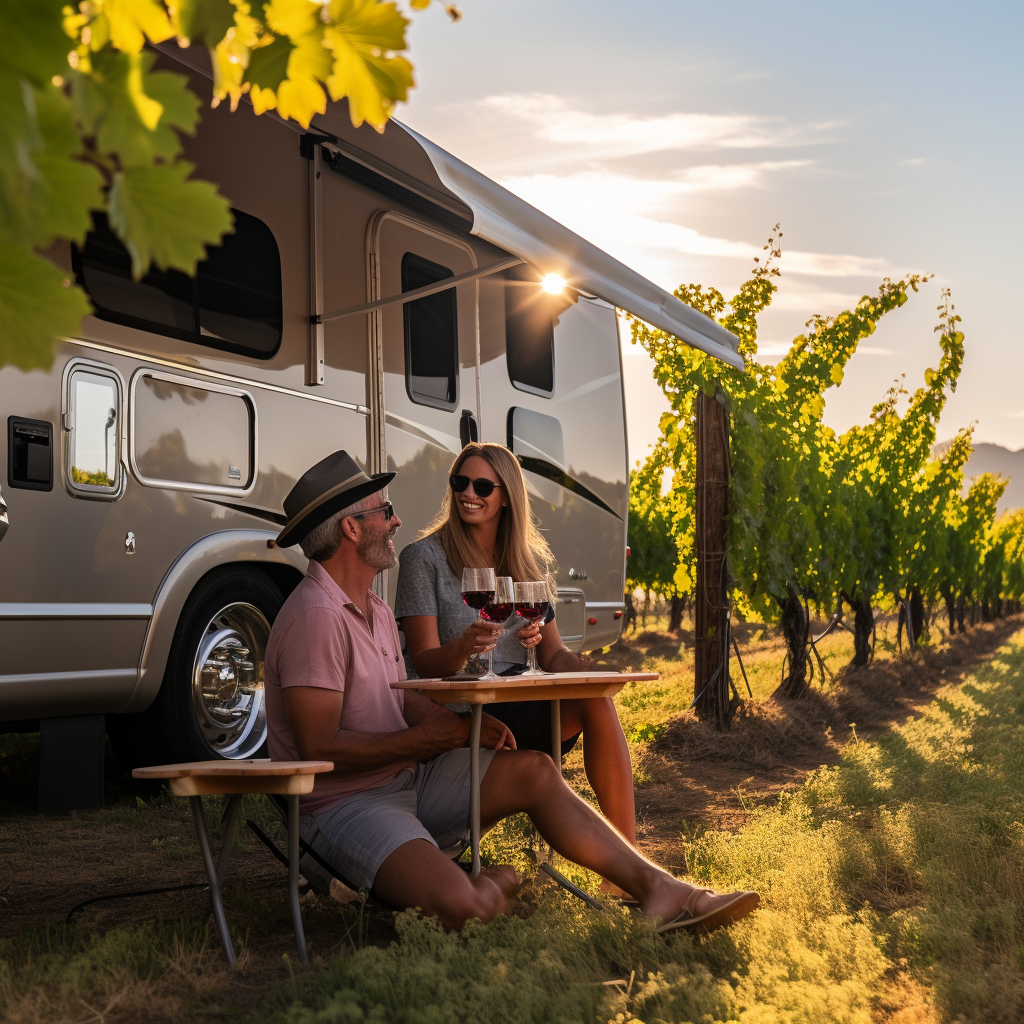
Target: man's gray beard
376	552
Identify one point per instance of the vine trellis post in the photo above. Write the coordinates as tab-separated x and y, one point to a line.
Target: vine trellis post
711	604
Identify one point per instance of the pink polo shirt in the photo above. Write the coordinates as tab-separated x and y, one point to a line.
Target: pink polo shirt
321	639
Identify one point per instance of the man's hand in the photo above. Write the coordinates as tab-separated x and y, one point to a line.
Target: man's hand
441	730
495	735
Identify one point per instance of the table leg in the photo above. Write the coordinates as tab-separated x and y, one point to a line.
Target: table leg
229	820
293	875
556	732
212	878
474	787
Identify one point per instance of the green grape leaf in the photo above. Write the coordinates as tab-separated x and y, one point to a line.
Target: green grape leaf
205	21
268	65
38	303
115	101
165	219
33	44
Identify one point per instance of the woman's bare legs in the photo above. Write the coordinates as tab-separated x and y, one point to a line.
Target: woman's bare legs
605	758
606	762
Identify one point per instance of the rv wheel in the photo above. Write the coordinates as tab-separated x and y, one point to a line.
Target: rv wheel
211	701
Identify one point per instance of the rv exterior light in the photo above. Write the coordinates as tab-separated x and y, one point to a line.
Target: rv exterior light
553	284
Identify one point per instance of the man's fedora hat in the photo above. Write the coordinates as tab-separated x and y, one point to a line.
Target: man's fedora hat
332	484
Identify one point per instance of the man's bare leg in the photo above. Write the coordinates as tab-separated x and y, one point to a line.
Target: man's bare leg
418	874
529	781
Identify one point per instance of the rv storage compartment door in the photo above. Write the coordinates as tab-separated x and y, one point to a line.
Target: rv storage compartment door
191	435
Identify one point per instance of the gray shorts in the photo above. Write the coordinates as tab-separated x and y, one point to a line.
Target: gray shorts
359	832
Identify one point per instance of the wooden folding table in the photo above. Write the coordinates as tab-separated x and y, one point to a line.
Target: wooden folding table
552	686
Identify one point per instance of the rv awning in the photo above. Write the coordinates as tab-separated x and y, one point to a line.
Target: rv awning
521	229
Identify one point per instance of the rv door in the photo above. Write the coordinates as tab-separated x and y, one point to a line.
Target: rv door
425	402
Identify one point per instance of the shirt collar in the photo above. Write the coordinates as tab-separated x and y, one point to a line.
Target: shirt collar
321	576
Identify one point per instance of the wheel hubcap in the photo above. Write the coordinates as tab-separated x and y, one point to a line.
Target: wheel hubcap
227	681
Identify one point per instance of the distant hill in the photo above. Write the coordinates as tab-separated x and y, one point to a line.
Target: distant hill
994	458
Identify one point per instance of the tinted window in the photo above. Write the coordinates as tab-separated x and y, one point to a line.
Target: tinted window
530	332
233	302
431	337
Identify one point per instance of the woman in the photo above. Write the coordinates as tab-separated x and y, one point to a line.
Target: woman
485	520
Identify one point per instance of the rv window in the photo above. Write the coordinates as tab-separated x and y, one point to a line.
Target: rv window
233	302
191	435
530	332
94	403
431	336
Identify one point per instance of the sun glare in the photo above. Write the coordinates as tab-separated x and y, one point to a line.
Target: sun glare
553	284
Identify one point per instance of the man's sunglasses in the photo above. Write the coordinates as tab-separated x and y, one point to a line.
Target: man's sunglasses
387	508
482	487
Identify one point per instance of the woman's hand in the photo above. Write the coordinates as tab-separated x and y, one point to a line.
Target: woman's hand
530	635
479	637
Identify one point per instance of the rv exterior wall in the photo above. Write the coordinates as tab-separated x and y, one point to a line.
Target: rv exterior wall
96	574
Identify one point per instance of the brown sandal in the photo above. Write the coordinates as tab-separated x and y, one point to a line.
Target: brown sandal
730	907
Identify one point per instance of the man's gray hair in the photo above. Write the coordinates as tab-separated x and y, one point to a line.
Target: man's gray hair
322	542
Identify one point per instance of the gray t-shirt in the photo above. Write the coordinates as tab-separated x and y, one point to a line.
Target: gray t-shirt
427	586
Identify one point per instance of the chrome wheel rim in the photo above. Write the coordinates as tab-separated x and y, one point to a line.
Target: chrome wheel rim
227	681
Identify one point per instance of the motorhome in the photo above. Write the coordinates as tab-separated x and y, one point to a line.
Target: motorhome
377	295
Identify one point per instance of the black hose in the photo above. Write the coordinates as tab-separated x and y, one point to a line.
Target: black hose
128	895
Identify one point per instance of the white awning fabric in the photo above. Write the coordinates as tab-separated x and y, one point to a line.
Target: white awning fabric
521	229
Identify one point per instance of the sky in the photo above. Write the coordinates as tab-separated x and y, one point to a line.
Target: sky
886	138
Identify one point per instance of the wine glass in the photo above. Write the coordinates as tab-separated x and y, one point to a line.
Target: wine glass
477	590
531	603
499	609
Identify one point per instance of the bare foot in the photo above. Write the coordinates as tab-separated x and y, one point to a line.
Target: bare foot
611	889
505	878
708	910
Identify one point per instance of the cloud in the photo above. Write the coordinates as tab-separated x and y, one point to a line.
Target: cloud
618	135
626	217
914	161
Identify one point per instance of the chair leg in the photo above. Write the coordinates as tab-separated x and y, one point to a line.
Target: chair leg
212	876
293	876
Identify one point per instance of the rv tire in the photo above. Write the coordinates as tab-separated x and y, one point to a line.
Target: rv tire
210	703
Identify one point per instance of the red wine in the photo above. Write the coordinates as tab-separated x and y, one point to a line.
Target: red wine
530	611
477	598
498	612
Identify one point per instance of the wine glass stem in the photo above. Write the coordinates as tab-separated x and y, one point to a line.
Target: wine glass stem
531	660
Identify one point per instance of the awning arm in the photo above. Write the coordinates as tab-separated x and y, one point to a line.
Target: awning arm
419	293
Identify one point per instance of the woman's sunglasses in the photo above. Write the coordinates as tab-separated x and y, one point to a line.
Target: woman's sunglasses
483	487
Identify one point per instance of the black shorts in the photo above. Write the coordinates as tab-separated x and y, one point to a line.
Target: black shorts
529	720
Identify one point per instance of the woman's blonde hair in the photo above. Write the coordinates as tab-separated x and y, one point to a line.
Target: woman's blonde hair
520	550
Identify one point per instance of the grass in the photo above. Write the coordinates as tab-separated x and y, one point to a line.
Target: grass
892	882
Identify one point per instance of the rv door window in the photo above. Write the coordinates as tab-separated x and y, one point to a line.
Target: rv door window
233	302
431	336
530	332
93	422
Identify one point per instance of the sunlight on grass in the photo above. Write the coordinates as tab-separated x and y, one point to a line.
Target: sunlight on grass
892	885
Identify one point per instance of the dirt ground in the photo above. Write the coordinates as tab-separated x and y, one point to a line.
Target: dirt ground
692	778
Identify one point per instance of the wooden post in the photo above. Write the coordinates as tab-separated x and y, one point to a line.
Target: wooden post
711	612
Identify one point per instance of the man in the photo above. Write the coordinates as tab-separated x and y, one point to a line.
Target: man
400	786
